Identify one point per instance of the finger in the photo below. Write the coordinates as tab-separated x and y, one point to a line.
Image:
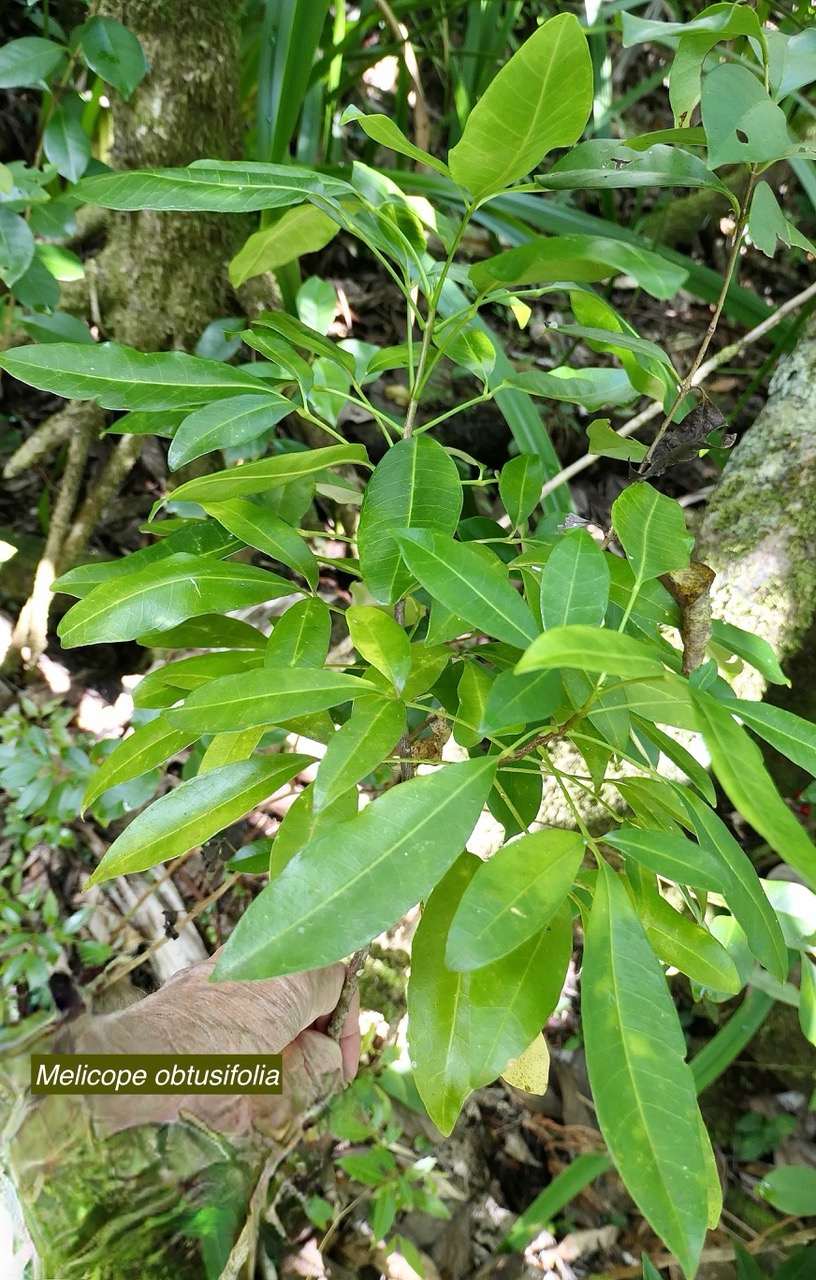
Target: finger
350	1039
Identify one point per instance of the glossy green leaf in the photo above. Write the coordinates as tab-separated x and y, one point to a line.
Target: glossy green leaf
515	799
226	424
674	751
351	883
269	473
66	144
516	700
16	247
302	822
202	538
304	229
520	485
605	163
270	696
664	701
228	748
382	129
172	680
807	999
120	378
592	388
591	649
216	186
579	259
295	332
301	636
513	895
415	486
148	746
210	631
682	942
470	582
672	856
539	100
474	688
164	594
259	528
744	894
28	62
791	1189
381	641
651	529
368	737
192	812
743	125
113	52
787	732
642	1088
739	766
754	650
575	582
428	661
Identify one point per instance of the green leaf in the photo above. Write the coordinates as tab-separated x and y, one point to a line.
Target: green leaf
415	486
678	755
598	339
738	764
226	424
302	823
575	582
539	100
148	746
304	229
298	334
686	945
192	812
120	378
67	145
382	129
609	444
518	700
642	1088
741	888
742	124
166	684
29	62
794	737
580	259
605	163
215	186
16	247
301	637
512	896
672	856
651	529
370	734
767	224
228	748
807	999
752	649
520	486
591	388
381	641
791	1189
210	631
358	879
163	594
474	687
796	65
269	473
591	649
270	696
259	528
113	52
665	701
470	582
565	1186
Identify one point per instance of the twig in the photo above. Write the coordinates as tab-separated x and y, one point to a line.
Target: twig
715	362
117	468
47	436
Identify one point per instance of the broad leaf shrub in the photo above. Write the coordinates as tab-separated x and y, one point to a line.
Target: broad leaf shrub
513	635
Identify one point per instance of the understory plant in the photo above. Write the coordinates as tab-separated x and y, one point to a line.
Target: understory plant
515	637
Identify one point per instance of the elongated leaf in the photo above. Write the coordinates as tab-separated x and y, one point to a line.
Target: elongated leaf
754	650
565	1186
579	258
608	444
473	690
259	528
216	186
415	486
164	594
672	856
540	99
741	888
210	631
689	947
591	649
346	886
66	144
120	378
664	701
29	62
270	696
382	129
592	388
301	636
520	485
642	1088
471	583
192	812
513	896
171	681
678	755
739	766
228	748
303	823
195	538
16	246
149	745
788	733
604	163
381	641
269	473
518	700
304	229
575	582
370	734
226	424
652	531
